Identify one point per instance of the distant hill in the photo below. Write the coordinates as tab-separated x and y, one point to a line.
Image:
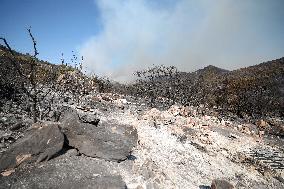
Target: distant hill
253	91
211	70
257	89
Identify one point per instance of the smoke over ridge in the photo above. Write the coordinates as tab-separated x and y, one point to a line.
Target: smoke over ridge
186	33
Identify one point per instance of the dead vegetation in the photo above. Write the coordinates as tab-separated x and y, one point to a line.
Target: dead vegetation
36	84
255	92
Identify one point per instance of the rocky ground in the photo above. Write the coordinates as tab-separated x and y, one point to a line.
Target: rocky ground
111	141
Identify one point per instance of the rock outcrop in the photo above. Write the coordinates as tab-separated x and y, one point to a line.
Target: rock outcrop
109	141
41	143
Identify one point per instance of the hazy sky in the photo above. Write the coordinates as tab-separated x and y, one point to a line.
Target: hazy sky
117	37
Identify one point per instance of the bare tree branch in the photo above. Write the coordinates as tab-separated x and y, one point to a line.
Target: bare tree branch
7	45
34	42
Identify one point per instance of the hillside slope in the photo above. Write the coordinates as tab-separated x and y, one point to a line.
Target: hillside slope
88	138
255	91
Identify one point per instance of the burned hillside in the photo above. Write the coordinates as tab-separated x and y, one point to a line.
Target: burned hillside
169	129
251	92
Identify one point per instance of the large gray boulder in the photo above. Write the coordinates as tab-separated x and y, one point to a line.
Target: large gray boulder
109	141
40	143
66	172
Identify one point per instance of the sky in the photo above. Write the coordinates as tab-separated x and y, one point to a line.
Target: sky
117	37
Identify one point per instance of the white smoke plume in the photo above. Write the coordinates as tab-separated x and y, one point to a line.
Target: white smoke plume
189	34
